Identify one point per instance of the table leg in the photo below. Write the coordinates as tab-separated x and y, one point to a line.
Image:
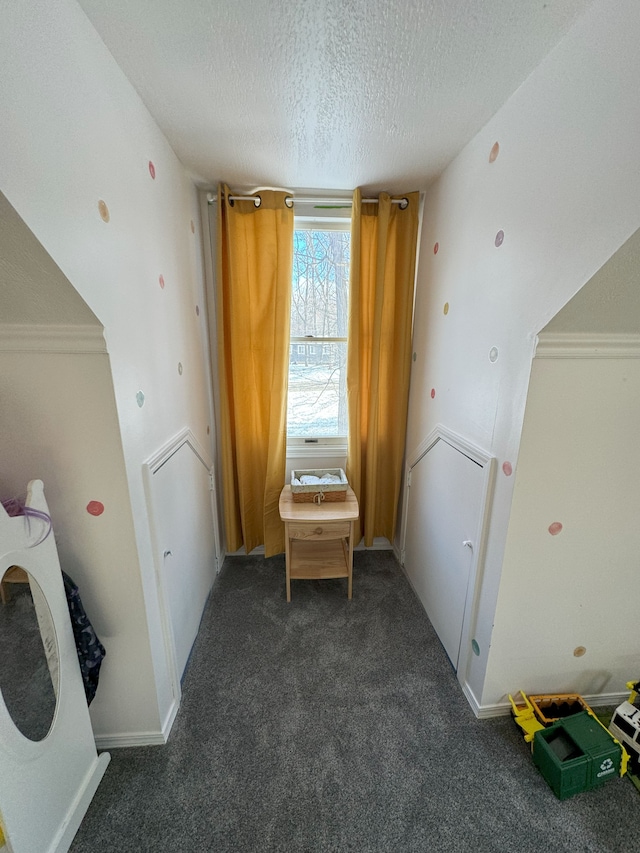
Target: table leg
287	559
350	582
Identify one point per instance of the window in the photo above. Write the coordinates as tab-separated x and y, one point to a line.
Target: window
317	403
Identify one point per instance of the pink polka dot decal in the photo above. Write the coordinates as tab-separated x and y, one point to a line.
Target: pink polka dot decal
499	238
507	469
555	528
494	152
95	508
103	210
436	246
433	393
161	281
152	170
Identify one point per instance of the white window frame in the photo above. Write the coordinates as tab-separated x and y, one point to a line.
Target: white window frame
328	446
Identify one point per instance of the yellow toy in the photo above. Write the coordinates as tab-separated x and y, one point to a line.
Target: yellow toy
531	717
526	718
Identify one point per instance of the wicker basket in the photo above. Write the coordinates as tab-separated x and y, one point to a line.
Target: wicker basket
319	492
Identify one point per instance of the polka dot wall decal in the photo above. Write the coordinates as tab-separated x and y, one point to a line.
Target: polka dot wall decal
415	355
436	246
475	648
140	398
579	651
161	281
180	368
494	152
499	238
433	393
197	310
208	429
193	227
555	528
493	355
104	210
445	310
507	469
95	508
152	170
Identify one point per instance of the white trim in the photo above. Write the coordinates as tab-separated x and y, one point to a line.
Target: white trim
488	463
587	345
167	450
321	451
150	467
503	709
17	337
441	432
128	739
380	543
475	705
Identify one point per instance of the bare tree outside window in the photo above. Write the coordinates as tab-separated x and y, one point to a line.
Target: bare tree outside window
317	403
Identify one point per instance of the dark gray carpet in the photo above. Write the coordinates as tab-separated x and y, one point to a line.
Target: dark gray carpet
329	725
25	681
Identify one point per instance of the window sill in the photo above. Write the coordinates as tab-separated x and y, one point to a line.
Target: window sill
318	451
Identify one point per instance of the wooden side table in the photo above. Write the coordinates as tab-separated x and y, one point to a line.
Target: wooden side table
318	538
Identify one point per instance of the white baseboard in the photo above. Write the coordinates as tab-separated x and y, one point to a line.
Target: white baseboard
503	709
119	740
127	739
170	718
380	543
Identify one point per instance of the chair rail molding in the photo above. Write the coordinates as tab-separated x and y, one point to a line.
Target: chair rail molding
17	337
587	345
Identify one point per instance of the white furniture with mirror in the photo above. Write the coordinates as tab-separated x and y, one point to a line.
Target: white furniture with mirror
50	768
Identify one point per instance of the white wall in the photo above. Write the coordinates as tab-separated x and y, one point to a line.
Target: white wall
74	132
579	589
58	423
565	191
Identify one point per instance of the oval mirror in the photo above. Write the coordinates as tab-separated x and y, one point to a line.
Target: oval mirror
29	654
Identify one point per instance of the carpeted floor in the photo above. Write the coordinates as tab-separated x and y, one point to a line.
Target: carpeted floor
25	681
328	725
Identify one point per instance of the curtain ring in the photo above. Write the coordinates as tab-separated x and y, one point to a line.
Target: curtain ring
288	201
257	201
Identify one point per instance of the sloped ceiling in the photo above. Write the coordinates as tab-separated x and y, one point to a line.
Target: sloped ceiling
609	303
33	289
326	93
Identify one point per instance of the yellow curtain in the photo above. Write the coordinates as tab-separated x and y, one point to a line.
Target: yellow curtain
383	256
254	263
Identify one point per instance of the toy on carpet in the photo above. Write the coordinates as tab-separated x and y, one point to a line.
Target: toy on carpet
572	749
625	725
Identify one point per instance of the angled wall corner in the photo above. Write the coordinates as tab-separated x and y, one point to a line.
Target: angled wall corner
58	423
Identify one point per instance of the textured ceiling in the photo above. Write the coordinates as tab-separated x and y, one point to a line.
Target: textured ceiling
326	93
32	288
